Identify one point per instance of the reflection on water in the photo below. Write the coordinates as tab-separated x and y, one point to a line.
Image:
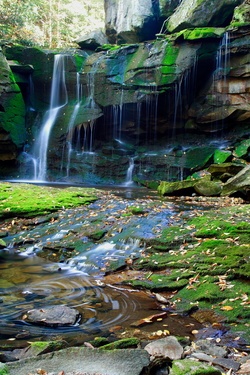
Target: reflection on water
31	282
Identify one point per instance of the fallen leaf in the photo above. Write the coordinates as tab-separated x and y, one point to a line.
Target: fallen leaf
227	308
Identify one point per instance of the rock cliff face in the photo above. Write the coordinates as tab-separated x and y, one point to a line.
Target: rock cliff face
202	13
127	103
134	21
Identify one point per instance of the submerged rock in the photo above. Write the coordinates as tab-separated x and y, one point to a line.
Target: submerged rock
53	316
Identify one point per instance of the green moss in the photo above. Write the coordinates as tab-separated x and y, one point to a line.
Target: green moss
191	367
79	61
203	33
221	156
122	344
40	344
13	117
43	347
136	210
26	200
206	259
108	47
225	299
177	187
241	149
99	341
3	369
157	283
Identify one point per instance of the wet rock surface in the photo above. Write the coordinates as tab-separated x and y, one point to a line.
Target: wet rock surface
53	316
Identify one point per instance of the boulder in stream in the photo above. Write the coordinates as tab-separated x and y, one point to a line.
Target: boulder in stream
168	347
53	316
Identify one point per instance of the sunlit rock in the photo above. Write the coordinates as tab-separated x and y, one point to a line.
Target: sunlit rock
129	21
196	13
92	40
168	347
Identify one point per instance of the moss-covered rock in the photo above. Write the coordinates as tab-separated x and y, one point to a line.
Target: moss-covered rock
242	149
206	261
12	113
239	183
176	188
241	16
122	344
221	156
208	188
191	367
201	13
26	200
225	169
3	369
202	33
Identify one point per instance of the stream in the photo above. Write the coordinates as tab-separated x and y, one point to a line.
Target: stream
57	260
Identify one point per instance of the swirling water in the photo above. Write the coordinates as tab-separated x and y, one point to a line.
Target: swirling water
31	282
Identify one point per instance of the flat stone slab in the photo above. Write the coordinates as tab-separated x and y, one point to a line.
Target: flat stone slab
52	316
84	361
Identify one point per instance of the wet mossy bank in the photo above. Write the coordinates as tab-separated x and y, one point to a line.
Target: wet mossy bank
203	261
26	200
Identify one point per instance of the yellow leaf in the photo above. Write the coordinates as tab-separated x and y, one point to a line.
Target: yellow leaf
227	308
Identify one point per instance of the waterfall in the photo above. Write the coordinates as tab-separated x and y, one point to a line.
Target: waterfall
72	123
219	87
129	180
58	99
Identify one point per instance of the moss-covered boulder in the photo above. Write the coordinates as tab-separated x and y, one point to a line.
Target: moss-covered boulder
241	16
200	13
224	171
201	33
192	367
12	111
208	188
242	149
239	183
176	188
221	156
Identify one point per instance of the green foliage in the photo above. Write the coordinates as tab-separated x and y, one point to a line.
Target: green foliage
49	23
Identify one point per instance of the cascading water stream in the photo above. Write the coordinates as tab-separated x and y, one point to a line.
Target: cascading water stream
129	180
72	123
58	100
222	67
